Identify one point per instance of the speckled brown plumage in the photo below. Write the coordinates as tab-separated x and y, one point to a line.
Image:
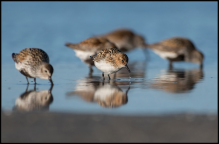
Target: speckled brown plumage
110	61
102	55
92	44
34	56
33	63
88	47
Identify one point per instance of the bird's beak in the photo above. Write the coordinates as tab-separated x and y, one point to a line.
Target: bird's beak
127	68
50	79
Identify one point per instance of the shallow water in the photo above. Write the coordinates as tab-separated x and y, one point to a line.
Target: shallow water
152	89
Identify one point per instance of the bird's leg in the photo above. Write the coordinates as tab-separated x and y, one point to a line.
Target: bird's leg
27	80
34	80
109	77
103	76
170	65
91	71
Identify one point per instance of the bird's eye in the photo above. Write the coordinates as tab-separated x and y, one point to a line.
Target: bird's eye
45	70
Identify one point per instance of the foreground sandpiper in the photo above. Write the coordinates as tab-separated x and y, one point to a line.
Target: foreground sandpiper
110	61
177	49
89	47
33	63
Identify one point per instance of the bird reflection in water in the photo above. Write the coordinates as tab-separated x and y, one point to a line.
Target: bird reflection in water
137	75
33	100
106	94
177	80
137	70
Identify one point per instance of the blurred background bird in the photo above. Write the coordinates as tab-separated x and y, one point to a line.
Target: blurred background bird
88	47
126	40
177	49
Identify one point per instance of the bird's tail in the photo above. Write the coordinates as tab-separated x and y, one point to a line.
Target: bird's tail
72	45
14	57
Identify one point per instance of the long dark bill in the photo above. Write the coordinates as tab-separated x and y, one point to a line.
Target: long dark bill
51	81
127	68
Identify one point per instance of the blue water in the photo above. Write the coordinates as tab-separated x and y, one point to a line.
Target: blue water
48	25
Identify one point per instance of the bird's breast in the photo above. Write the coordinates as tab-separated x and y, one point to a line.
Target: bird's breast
106	67
83	55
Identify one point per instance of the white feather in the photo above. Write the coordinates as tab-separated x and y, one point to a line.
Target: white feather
106	67
19	66
83	55
166	55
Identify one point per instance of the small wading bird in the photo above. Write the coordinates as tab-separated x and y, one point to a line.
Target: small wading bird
177	49
33	63
110	61
88	47
125	39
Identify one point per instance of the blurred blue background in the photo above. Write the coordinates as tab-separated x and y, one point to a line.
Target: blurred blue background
48	25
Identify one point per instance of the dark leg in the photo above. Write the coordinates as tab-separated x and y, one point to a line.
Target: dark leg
103	76
91	71
27	80
35	80
170	65
109	77
27	87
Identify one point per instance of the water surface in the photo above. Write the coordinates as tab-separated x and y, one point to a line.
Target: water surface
152	89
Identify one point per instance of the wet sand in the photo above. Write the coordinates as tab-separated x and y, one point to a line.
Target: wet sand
68	127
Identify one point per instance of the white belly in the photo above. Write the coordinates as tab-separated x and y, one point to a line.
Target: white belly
19	66
83	55
27	68
106	67
166	55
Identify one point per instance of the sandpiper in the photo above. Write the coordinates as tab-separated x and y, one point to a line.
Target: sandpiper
33	63
110	61
125	39
89	47
177	49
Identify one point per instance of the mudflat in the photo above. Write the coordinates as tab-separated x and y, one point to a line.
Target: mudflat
72	127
